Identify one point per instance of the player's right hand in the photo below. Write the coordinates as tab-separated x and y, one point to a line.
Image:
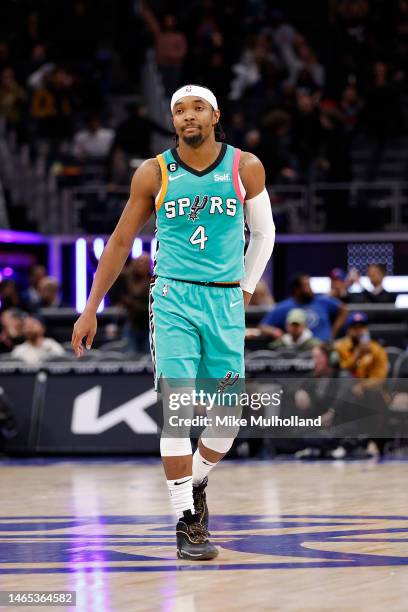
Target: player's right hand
85	327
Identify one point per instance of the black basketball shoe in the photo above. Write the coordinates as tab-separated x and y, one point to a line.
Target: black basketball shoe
192	539
200	502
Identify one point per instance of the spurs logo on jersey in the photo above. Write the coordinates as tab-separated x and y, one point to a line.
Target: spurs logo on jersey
217	205
196	207
227	381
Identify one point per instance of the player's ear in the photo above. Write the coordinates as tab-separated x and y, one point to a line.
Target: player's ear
216	117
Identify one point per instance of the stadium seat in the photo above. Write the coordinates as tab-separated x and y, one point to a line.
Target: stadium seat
393	352
400	368
113	356
59	358
115	345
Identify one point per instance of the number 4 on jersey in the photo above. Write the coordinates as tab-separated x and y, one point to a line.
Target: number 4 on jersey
199	237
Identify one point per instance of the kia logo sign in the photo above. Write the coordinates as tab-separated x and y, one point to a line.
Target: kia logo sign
86	419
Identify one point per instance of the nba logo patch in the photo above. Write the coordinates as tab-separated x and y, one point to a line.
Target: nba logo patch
165	290
189	88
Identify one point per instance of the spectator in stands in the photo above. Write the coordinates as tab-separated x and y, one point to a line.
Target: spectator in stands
297	337
170	46
37	273
132	292
367	362
48	291
94	142
376	272
53	104
11	329
325	315
274	147
12	100
306	133
351	106
339	285
317	393
320	394
36	347
364	358
10	296
302	64
133	139
382	112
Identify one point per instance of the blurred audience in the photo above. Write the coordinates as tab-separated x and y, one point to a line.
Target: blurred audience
364	358
340	282
48	292
11	329
285	94
297	337
170	45
94	142
376	273
325	315
10	296
133	139
52	106
36	274
317	395
132	292
367	362
36	347
12	100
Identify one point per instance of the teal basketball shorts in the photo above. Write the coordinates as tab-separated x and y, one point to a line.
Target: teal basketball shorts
196	331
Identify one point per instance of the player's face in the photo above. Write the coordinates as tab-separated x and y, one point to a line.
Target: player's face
194	120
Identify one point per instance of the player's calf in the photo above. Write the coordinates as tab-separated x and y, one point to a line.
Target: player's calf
200	502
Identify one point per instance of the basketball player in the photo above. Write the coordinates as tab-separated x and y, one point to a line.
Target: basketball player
201	192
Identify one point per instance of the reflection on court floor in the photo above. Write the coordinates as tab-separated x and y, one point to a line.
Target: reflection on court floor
51	544
305	536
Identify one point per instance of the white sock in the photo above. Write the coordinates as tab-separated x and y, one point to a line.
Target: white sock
201	467
181	495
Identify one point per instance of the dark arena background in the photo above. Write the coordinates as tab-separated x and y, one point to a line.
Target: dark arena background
305	521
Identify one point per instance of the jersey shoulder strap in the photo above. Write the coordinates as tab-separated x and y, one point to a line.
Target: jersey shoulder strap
236	179
164	161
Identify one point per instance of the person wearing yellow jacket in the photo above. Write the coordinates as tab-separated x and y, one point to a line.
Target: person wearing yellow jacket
361	356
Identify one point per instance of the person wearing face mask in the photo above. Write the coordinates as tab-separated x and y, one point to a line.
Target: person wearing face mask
366	362
325	315
364	358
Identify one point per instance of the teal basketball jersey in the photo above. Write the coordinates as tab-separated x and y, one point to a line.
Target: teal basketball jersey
200	219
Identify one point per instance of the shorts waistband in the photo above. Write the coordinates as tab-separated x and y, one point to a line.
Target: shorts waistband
206	284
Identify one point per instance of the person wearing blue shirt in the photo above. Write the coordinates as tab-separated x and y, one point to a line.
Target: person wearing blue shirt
325	315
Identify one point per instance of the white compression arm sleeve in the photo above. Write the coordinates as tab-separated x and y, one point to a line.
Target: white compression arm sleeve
259	219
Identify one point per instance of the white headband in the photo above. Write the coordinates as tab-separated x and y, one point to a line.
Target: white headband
194	90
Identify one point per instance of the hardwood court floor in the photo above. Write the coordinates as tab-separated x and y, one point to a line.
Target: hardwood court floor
293	536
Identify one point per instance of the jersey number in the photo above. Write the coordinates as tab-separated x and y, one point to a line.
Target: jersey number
199	237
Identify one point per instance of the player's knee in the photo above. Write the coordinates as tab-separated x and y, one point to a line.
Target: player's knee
219	445
175	447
